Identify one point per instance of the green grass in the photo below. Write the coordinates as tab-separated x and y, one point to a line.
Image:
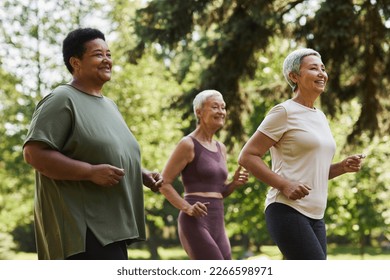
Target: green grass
338	252
174	253
335	252
22	256
267	252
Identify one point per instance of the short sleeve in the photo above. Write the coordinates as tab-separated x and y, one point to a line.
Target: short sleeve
52	121
274	124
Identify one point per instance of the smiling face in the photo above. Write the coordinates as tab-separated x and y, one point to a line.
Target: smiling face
312	75
213	112
96	64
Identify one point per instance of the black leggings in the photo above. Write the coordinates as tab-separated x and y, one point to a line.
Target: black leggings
297	236
95	251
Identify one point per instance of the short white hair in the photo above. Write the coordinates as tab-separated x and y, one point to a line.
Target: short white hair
293	61
201	98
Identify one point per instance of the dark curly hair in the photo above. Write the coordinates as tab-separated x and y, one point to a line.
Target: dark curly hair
74	43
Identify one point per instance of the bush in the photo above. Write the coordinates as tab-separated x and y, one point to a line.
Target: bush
24	237
7	246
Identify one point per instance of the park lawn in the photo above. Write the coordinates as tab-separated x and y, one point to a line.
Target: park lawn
344	252
335	252
175	253
267	252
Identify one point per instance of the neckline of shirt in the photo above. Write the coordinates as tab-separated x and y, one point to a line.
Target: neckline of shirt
314	109
215	152
86	93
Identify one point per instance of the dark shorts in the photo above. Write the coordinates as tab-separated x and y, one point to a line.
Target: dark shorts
95	251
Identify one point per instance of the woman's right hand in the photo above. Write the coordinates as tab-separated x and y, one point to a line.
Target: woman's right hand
198	209
106	175
295	190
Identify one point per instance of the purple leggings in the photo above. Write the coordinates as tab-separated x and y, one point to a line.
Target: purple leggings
204	238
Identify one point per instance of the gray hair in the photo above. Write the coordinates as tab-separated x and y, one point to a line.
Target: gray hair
293	61
201	98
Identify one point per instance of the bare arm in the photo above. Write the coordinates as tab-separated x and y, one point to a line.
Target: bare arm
349	164
183	154
55	165
251	159
240	176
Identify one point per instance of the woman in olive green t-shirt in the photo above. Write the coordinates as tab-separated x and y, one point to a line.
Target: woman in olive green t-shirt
89	194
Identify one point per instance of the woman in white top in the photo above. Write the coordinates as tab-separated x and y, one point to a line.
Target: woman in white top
302	148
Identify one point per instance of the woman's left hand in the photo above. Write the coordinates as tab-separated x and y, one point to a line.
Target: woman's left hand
353	163
240	176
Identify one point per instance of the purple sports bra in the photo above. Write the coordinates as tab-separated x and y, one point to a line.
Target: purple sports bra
207	172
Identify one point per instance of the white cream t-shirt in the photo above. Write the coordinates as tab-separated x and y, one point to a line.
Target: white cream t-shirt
303	153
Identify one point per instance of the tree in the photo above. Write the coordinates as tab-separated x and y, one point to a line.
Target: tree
353	37
221	38
143	92
357	209
15	179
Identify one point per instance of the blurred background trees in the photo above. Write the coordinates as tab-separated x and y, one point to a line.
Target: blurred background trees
167	51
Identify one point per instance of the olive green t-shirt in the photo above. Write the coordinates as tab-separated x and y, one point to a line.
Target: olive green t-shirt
90	129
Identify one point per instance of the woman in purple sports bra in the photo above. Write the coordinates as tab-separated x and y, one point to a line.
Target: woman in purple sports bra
201	161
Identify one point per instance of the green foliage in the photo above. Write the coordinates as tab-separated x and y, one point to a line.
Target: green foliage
6	246
16	179
353	37
143	93
226	34
165	52
24	237
31	36
358	203
245	215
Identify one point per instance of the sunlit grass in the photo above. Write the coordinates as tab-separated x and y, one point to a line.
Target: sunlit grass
339	252
175	253
24	256
267	252
171	253
138	254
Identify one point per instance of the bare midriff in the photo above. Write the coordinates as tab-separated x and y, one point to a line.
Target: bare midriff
205	194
